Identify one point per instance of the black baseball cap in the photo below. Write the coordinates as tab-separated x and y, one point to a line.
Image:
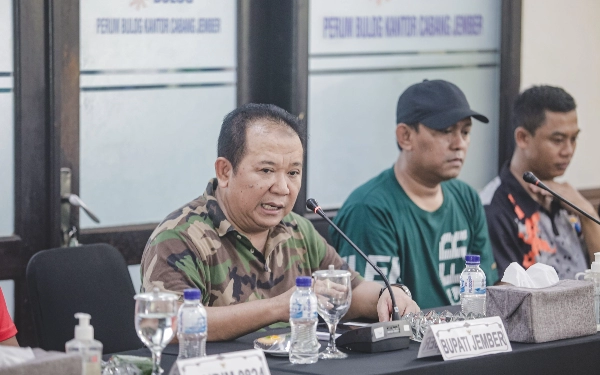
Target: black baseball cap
436	104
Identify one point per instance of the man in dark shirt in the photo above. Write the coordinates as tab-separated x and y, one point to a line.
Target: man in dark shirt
526	225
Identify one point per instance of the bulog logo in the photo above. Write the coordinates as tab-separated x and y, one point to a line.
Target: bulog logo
139	4
173	1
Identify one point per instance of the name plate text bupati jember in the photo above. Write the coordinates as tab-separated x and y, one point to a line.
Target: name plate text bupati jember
470	338
251	362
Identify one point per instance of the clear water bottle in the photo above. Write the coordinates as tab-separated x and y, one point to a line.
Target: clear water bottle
191	326
472	287
304	347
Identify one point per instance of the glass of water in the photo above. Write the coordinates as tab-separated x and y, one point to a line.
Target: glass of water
334	294
155	315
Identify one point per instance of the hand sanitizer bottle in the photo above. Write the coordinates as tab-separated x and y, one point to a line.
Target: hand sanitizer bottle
85	345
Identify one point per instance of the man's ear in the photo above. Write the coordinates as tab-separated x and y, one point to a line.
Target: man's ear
522	137
224	171
404	136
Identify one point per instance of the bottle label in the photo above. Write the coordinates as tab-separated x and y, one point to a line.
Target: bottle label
469	285
307	310
193	325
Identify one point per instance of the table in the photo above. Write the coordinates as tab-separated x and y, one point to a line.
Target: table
570	356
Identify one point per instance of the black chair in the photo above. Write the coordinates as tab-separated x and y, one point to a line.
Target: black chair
91	278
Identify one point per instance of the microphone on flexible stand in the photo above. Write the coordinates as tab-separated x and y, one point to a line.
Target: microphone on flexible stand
532	179
312	205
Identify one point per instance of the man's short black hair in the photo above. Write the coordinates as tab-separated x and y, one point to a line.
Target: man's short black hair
232	138
531	106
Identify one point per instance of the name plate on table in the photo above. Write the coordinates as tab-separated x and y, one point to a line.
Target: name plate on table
469	338
251	362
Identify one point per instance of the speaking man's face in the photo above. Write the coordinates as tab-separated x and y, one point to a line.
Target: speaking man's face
266	183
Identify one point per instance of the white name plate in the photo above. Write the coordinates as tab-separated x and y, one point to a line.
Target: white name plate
470	338
246	362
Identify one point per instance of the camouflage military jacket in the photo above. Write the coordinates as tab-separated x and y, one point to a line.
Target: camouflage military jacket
196	247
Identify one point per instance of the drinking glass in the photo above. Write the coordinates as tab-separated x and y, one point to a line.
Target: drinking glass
155	322
334	293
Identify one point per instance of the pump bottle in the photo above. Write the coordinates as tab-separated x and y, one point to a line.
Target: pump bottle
85	345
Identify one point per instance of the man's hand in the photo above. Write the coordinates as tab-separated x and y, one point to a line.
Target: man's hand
543	197
366	302
405	304
590	230
565	190
327	290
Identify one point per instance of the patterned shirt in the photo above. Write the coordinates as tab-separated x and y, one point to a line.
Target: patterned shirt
522	231
196	247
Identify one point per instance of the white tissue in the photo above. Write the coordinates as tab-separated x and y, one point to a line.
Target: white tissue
537	276
12	355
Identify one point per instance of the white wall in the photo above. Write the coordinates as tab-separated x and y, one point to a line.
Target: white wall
561	47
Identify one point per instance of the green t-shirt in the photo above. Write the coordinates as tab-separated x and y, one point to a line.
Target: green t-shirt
423	250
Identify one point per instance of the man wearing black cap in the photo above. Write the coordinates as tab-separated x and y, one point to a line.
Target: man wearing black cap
416	220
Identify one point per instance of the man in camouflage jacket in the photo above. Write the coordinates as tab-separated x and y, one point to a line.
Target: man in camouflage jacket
240	244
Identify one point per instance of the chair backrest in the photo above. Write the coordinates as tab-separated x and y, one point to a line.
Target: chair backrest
91	278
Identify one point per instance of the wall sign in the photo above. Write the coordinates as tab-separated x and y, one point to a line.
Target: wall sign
148	34
361	26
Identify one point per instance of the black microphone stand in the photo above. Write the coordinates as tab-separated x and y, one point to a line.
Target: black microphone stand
532	179
312	205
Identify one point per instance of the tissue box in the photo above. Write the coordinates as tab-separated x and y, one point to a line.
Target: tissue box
47	363
558	312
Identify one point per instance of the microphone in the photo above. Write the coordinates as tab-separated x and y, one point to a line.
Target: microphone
532	179
312	205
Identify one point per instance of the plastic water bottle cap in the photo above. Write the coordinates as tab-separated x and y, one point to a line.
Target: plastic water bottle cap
303	281
192	294
472	259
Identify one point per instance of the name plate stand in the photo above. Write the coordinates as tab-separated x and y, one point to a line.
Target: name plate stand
246	362
469	338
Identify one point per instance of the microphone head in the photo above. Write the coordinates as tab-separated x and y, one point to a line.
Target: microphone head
312	204
530	177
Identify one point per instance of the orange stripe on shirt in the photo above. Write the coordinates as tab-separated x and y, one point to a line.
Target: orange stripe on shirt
518	210
532	238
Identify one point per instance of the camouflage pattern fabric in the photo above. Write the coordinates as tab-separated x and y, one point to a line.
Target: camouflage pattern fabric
196	247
